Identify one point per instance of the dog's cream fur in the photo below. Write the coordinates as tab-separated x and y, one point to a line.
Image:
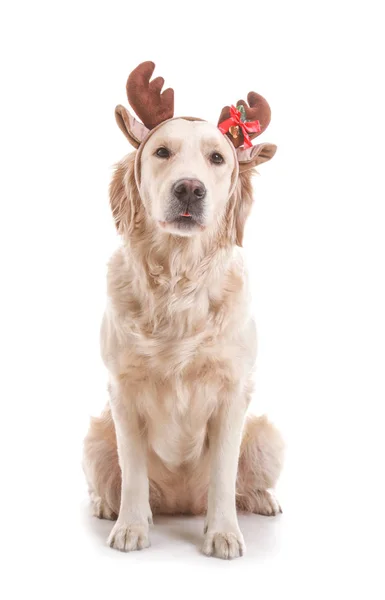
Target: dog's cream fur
179	343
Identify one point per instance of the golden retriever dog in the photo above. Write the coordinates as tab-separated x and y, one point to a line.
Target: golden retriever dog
179	343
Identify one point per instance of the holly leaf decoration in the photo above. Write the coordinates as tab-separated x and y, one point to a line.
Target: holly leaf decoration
242	110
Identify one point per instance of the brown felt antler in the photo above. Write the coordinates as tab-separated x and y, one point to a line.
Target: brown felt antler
145	97
257	110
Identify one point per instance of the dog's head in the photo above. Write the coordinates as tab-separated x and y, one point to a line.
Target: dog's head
189	175
185	173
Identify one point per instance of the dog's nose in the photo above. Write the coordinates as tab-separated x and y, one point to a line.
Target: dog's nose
189	190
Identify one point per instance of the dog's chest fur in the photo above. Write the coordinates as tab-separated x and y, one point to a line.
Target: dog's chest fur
176	350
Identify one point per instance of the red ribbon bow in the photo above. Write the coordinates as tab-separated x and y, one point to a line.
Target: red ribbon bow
246	126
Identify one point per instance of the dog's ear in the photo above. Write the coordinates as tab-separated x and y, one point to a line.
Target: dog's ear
127	208
243	205
254	156
239	208
134	130
242	201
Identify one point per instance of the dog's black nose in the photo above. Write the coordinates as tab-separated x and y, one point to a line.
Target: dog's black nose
189	190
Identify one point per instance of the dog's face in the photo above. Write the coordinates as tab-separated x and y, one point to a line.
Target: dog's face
186	174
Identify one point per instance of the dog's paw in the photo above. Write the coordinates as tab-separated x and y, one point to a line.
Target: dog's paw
127	537
266	504
224	544
101	510
260	502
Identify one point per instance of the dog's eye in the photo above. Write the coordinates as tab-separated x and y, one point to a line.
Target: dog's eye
217	158
163	152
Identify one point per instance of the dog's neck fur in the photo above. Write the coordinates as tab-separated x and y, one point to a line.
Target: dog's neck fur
174	279
166	257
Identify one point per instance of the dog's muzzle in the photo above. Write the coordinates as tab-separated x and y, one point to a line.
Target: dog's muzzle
186	207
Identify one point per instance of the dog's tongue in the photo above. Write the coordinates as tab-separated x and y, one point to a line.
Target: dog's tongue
186	214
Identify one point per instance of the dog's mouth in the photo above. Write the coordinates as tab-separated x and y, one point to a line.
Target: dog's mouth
184	220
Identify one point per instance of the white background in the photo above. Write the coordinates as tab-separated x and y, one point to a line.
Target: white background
315	248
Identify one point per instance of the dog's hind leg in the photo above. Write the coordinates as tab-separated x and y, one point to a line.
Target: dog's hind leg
260	464
101	467
100	508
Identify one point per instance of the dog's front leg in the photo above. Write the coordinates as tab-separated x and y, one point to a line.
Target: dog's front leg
131	530
223	537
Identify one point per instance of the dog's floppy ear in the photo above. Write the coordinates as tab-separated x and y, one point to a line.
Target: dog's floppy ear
238	209
254	156
243	196
127	208
243	204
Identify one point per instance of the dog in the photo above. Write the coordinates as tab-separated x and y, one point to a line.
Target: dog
177	336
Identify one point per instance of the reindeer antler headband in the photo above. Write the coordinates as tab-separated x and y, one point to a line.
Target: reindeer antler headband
241	123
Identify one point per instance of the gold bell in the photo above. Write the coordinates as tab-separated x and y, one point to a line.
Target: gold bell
234	131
